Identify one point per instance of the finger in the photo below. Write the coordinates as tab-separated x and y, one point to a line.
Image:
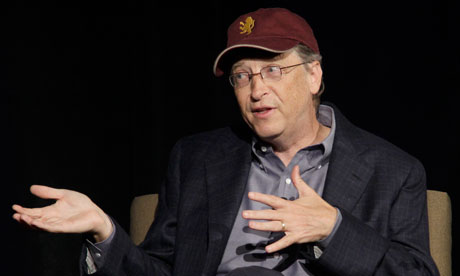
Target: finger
280	244
273	226
23	219
262	214
46	192
34	223
30	222
270	200
32	212
17	217
45	226
300	185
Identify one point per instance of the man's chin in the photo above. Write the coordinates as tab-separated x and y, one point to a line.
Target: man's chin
267	136
266	132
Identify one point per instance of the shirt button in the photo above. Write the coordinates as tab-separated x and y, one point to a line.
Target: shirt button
320	166
288	181
263	149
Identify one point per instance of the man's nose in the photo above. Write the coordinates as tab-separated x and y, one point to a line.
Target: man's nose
258	87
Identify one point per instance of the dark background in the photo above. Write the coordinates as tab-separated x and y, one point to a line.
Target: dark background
93	96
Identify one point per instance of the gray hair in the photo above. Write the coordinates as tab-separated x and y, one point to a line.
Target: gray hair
308	55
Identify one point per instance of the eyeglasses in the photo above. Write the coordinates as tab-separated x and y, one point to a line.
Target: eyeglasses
272	73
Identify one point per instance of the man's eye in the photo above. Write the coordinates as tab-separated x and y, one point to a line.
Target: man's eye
240	76
273	69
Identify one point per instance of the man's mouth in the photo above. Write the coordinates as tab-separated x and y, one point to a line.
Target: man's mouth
262	111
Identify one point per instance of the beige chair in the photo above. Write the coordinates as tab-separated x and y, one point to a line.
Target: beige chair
440	225
142	213
439	216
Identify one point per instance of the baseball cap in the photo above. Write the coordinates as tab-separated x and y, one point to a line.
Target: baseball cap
275	30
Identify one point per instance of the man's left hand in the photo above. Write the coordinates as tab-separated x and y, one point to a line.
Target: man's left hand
306	219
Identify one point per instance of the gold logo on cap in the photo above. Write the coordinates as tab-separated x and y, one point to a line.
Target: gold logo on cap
247	26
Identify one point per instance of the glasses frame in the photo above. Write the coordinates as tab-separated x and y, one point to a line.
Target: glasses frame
262	75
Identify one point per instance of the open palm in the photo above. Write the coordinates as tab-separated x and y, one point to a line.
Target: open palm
73	212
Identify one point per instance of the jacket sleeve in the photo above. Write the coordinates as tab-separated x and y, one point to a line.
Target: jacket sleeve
155	255
400	246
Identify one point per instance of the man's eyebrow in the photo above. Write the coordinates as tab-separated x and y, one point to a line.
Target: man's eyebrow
236	65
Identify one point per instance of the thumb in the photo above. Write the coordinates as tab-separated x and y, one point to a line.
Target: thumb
300	185
46	192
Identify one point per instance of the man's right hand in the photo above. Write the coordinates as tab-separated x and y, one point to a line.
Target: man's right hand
73	212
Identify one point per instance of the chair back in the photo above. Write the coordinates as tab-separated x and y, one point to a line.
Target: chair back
440	227
142	214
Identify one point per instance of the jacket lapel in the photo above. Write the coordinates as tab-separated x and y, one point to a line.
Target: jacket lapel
226	178
348	172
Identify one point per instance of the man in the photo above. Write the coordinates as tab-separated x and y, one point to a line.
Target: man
301	192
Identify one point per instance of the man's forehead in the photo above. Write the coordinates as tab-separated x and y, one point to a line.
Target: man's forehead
240	54
260	57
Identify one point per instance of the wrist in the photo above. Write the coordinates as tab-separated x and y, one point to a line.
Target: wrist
103	228
332	221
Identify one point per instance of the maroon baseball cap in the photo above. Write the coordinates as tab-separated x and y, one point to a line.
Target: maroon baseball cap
275	30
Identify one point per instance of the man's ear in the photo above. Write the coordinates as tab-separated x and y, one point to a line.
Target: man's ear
315	75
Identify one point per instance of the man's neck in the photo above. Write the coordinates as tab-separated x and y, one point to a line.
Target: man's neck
286	149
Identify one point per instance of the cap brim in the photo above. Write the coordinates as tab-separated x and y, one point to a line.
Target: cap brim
274	45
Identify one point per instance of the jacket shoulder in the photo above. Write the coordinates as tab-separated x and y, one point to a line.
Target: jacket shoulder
385	150
375	150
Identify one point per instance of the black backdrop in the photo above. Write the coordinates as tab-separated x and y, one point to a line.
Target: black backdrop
94	95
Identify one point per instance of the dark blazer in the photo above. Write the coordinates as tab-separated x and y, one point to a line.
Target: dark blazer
379	189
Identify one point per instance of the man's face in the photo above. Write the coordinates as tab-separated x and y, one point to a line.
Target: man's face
281	109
